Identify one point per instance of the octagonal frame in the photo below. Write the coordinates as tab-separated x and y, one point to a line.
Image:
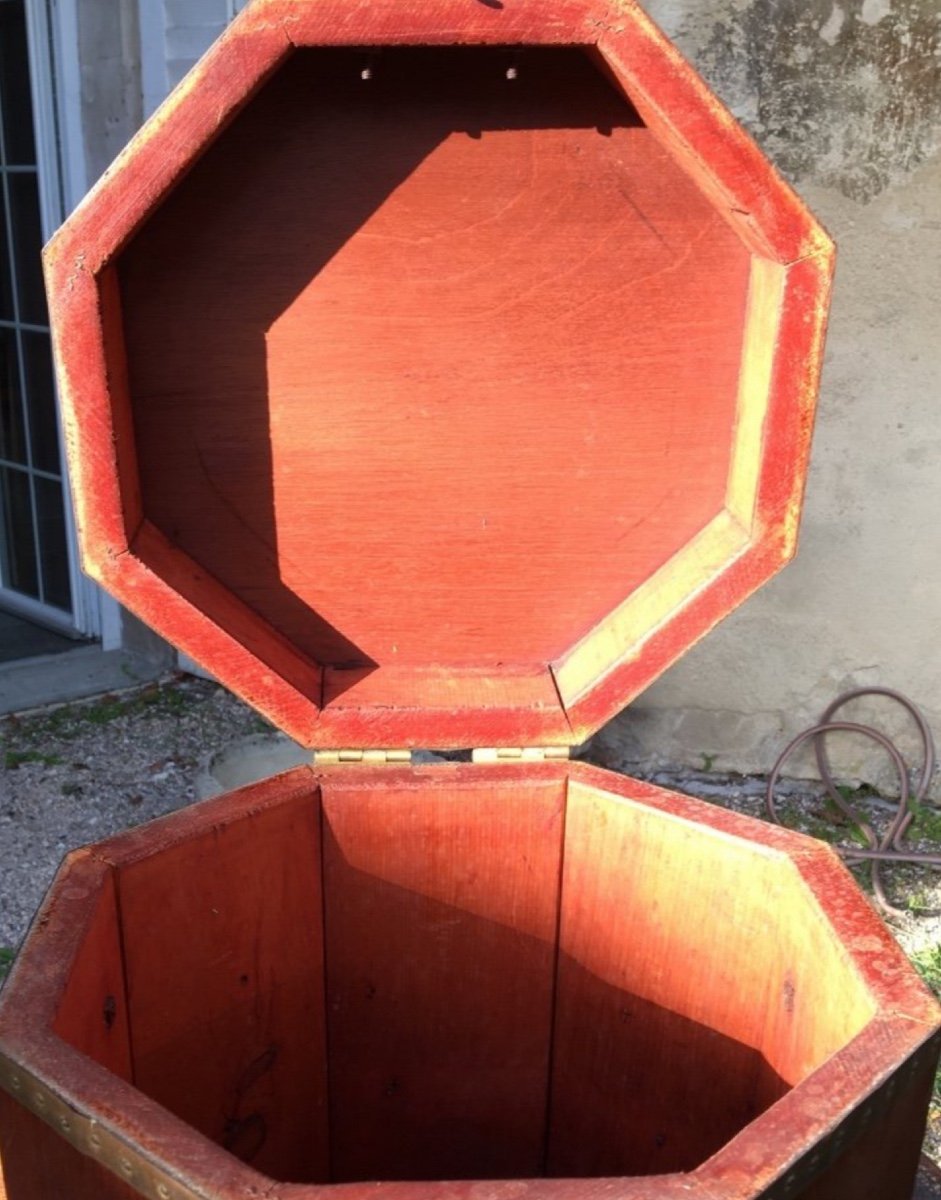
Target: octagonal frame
571	697
849	1128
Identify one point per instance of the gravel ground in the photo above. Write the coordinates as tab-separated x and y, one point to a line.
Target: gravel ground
76	774
79	773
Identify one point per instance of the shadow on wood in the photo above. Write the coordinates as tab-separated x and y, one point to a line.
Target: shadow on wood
287	388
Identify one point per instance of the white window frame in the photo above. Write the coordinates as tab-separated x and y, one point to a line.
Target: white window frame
55	76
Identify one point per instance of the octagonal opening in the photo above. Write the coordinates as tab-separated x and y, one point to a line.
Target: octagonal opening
438	976
433	359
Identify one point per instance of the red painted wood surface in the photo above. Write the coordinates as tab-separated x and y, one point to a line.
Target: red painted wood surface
481	398
441	917
385	395
731	968
225	985
514	984
92	1014
36	1163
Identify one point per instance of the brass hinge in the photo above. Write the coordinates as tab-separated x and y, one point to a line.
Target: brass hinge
327	758
486	754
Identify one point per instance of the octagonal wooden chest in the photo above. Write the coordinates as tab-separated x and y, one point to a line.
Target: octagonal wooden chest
436	375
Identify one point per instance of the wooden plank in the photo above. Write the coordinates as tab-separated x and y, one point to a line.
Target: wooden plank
882	1163
441	707
583	299
859	1106
65	975
788	424
650	607
441	910
664	1187
706	139
447	22
223	943
81	332
684	1010
314	404
36	1163
232	636
92	1013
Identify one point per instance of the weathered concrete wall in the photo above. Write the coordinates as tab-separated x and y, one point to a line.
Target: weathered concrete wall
846	98
191	28
109	53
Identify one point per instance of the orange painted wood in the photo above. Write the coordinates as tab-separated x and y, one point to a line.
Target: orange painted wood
225	985
37	1164
700	130
798	352
440	22
864	1171
104	485
92	1015
755	1022
446	365
62	981
242	636
441	912
695	988
506	488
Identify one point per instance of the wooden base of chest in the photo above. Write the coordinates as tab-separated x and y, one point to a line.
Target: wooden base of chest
543	975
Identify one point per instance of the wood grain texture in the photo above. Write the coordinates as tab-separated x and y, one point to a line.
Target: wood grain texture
824	1121
92	1014
697	127
37	1164
864	1170
485	381
441	915
225	986
793	326
106	502
472	469
760	1014
440	22
728	972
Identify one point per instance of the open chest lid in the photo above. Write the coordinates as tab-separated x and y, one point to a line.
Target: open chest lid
436	375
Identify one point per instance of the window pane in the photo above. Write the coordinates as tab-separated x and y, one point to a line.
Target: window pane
27	242
12	433
52	544
16	525
41	398
15	98
6	269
